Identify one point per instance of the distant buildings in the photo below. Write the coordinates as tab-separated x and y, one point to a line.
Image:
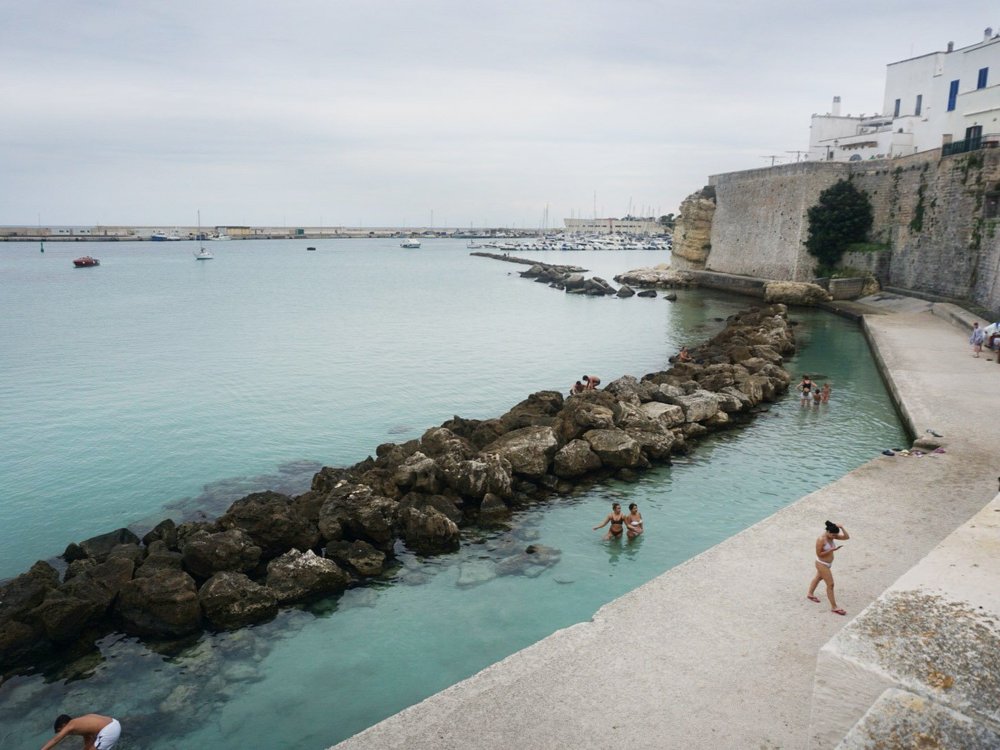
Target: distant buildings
948	99
628	225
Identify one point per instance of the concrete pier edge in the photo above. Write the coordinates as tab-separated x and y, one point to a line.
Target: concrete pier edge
729	651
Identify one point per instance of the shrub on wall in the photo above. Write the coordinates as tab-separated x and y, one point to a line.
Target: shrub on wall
841	216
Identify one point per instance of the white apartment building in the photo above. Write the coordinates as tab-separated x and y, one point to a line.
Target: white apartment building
627	225
937	99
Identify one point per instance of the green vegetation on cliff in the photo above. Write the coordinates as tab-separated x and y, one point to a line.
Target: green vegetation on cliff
842	216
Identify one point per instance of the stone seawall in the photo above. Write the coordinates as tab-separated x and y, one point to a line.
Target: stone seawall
936	218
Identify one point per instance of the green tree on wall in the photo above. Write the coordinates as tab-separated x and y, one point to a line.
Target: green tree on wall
841	216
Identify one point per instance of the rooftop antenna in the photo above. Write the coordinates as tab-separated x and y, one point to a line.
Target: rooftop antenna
772	157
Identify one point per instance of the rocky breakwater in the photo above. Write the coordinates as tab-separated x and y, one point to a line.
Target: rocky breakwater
269	549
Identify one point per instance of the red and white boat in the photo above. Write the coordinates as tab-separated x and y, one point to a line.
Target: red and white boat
86	262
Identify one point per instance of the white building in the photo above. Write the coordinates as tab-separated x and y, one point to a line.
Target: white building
941	98
627	225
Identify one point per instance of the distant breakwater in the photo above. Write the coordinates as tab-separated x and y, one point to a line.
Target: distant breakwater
269	549
571	279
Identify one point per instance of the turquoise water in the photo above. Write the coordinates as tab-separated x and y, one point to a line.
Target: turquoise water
158	381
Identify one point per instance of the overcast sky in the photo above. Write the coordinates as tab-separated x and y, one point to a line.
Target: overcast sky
376	113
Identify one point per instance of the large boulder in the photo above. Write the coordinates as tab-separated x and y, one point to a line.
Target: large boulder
655	440
493	510
19	637
164	605
418	472
528	449
795	293
440	441
669	415
98	547
355	512
537	409
205	554
575	459
698	406
614	447
159	557
231	600
165	531
273	522
591	410
630	390
428	531
477	477
442	503
301	575
357	556
83	601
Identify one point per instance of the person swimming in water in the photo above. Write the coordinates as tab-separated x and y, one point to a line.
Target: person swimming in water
617	520
633	521
824	563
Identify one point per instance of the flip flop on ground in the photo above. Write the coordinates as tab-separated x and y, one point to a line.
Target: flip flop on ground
839	611
813	599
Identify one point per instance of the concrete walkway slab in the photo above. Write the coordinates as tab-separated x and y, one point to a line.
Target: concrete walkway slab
720	652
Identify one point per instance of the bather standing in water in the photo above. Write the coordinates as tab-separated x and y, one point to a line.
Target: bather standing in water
824	564
633	522
617	520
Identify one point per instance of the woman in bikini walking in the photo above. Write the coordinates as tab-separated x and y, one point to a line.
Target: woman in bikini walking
824	563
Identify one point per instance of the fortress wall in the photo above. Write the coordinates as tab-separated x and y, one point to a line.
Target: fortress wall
760	219
929	212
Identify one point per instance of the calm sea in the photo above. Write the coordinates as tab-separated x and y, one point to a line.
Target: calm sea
158	385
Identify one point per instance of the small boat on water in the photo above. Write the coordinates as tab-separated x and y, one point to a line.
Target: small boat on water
202	253
86	262
164	237
410	242
474	245
311	249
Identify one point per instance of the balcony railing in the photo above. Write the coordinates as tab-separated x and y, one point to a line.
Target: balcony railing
991	140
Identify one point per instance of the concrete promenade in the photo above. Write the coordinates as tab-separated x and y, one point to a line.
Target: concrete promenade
721	652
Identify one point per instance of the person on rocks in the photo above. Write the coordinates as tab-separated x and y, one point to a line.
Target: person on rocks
805	388
617	520
826	393
684	355
98	732
577	388
591	382
824	563
633	522
976	339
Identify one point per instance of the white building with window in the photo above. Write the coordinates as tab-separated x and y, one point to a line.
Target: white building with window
941	98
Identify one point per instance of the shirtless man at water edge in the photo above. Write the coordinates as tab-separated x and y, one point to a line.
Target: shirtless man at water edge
98	732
